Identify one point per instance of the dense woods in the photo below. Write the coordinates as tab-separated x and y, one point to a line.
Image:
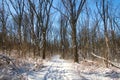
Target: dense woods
72	28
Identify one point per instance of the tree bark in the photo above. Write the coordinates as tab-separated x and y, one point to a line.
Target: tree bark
44	45
105	19
74	42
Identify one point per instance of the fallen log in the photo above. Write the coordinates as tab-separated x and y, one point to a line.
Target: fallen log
8	60
105	60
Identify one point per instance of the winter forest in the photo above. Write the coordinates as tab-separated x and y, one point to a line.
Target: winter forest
59	40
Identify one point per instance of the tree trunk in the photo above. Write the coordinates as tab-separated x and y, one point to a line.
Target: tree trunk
105	19
44	45
74	43
19	40
107	49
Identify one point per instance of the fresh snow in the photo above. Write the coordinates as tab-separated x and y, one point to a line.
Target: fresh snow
59	69
56	69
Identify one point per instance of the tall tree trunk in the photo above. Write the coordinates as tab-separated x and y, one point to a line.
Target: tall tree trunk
105	19
74	42
19	39
107	49
44	45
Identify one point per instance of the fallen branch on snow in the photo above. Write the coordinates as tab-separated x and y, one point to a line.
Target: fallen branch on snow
8	60
105	60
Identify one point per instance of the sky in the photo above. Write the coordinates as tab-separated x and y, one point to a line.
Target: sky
55	16
90	3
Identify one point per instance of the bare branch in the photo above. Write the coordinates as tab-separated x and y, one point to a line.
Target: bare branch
61	12
105	60
80	8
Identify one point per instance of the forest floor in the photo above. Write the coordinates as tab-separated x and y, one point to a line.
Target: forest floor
59	69
56	69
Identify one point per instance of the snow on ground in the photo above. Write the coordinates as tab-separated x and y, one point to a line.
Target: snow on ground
18	70
59	69
96	72
56	69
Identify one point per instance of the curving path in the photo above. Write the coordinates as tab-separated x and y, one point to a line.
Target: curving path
56	69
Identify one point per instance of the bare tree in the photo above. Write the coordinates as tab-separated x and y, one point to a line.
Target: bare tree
63	35
18	7
43	18
73	8
105	19
33	37
46	20
3	21
104	13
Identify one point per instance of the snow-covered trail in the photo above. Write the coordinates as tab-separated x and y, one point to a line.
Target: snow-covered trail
56	69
